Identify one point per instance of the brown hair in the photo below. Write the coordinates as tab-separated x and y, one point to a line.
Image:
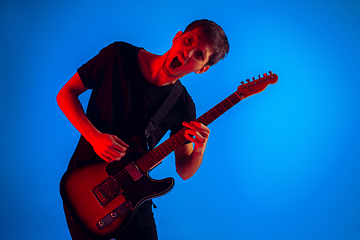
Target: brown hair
216	35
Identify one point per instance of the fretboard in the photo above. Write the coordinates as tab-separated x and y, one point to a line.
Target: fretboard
155	156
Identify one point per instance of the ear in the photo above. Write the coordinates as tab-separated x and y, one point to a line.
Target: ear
178	34
203	69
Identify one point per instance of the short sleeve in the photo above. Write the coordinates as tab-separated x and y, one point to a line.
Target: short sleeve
92	72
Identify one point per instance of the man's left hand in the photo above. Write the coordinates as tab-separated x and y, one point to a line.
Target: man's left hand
197	133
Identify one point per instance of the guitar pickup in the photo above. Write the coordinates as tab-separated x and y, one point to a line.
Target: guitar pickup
107	190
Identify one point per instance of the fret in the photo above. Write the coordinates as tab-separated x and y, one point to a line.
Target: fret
208	118
141	165
158	156
154	158
172	142
202	120
147	163
227	104
234	98
214	114
177	141
165	146
220	109
162	153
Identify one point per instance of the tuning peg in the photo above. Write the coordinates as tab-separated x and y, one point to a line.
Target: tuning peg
248	80
242	82
265	74
271	72
253	78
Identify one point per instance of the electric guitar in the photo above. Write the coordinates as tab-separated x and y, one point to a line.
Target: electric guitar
103	197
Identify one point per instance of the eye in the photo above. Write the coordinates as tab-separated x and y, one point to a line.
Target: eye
188	40
200	55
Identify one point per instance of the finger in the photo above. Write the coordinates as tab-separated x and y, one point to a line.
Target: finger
201	127
193	140
120	142
106	158
118	146
197	132
113	154
196	136
190	125
109	157
197	126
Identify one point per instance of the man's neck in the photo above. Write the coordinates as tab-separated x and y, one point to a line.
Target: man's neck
151	66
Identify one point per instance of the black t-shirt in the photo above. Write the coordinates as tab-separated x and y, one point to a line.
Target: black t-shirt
122	101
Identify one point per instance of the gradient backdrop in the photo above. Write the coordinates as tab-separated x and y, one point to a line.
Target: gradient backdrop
283	164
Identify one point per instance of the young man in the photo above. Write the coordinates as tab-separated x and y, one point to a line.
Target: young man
129	84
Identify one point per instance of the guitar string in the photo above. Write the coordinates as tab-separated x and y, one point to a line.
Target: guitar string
118	178
122	176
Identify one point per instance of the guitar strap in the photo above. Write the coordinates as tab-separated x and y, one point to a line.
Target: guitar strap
163	110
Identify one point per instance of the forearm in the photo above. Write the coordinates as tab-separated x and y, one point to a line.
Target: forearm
108	147
189	159
187	164
71	107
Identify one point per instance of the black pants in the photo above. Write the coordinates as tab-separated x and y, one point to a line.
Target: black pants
141	227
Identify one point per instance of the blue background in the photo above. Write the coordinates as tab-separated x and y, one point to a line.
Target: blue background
283	164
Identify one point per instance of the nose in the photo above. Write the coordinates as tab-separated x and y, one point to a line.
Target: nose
189	52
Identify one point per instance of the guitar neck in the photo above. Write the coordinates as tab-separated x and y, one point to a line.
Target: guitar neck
155	156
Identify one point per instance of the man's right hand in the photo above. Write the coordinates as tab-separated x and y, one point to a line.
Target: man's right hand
108	147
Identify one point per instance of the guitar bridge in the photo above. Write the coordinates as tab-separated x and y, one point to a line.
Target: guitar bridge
107	190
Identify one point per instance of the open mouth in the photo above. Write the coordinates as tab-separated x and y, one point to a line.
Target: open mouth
175	63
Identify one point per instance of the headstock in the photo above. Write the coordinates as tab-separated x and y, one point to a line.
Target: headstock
256	85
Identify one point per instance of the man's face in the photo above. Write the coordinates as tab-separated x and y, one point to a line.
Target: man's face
189	53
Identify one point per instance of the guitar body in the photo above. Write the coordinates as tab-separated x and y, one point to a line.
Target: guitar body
103	197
